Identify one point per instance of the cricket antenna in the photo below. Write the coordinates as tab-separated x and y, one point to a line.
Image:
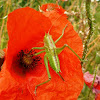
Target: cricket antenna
56	19
54	22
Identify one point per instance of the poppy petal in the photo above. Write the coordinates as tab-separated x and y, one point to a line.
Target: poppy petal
10	89
88	78
51	6
98	97
26	29
24	26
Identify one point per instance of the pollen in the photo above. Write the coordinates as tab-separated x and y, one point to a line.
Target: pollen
27	59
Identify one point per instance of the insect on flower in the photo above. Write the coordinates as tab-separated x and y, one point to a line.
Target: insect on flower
26	69
51	55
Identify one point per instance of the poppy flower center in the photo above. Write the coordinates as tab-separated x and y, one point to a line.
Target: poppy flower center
27	59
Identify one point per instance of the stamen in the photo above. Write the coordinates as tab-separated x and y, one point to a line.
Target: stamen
27	60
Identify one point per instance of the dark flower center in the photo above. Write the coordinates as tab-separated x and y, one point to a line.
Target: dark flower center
26	60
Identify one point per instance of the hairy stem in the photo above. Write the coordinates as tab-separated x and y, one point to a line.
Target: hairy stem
89	17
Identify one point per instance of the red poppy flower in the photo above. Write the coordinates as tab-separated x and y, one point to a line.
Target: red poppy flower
88	78
26	29
98	97
50	7
62	0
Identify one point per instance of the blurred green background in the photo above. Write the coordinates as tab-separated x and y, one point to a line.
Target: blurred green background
77	15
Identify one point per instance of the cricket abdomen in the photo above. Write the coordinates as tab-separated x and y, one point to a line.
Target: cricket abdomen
54	62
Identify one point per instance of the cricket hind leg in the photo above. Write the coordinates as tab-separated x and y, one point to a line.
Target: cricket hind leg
49	76
59	50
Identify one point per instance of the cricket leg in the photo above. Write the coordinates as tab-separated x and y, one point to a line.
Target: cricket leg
59	50
39	53
61	35
49	76
40	48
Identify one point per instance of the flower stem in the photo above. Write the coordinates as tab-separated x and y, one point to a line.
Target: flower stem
92	82
89	17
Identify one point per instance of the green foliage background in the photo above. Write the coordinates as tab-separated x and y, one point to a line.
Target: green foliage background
77	13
